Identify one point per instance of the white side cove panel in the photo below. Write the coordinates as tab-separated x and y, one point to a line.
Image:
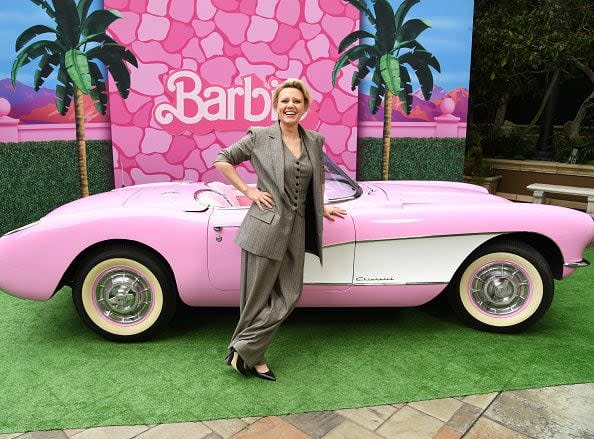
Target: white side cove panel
337	269
413	260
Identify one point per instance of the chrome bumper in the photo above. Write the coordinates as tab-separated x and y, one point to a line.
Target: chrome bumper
582	263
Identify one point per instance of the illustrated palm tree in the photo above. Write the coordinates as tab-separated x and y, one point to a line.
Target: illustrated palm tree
394	48
78	72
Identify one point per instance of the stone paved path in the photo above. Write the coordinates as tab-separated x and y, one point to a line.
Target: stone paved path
550	412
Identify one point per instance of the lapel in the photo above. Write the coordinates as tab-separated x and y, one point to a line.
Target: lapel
277	158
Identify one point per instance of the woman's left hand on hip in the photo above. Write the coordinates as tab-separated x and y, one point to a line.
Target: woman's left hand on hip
330	211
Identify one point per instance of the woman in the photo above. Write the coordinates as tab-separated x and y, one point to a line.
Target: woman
284	221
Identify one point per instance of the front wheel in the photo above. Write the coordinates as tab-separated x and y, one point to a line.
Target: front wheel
124	294
503	287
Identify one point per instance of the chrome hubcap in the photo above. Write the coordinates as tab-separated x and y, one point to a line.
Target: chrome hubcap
500	288
123	296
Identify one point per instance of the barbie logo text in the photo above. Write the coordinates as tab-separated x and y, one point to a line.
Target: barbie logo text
192	104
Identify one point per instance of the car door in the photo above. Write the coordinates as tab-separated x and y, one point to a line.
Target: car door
224	256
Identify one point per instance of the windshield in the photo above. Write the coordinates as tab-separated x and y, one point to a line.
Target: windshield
339	186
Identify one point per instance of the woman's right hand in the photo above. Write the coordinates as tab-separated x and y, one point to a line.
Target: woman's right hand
260	198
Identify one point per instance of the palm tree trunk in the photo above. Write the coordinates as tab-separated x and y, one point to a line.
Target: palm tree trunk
387	128
79	116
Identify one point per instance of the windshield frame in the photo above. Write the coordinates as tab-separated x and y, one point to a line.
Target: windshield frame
330	168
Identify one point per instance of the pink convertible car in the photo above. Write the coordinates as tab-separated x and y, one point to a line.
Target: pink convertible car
130	255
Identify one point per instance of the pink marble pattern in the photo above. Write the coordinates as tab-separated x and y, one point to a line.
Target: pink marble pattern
226	44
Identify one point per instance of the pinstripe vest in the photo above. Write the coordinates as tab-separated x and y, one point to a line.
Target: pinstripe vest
298	173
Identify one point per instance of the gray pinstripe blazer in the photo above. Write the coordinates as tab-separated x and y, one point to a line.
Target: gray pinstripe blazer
265	233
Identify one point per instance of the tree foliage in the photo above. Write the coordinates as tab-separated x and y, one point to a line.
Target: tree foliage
519	44
75	29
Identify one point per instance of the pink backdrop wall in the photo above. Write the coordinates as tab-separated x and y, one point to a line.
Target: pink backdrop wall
206	72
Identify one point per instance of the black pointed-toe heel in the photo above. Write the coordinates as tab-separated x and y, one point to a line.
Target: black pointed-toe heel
238	364
268	375
229	357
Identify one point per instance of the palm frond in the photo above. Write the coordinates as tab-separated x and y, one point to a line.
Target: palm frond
412	29
121	76
99	20
360	5
111	53
357	52
91	38
83	9
31	52
426	58
410	44
419	49
390	71
364	67
377	91
77	66
352	37
46	7
403	10
422	71
386	27
406	92
46	66
30	33
68	22
98	90
101	37
64	91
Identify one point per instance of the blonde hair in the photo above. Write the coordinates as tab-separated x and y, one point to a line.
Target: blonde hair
292	83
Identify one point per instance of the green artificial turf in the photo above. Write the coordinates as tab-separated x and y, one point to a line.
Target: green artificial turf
57	374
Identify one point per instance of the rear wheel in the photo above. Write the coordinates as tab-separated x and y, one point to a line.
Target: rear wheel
503	287
124	294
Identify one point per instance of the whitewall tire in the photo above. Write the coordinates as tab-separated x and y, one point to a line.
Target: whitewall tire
124	294
503	287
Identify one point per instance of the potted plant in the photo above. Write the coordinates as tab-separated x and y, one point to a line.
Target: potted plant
476	169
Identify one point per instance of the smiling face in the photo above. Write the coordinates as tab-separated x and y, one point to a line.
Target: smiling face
291	106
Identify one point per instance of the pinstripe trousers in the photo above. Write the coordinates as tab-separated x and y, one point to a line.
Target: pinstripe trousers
270	290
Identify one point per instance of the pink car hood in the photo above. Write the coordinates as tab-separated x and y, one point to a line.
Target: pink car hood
435	192
175	196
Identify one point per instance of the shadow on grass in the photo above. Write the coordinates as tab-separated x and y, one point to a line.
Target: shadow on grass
58	318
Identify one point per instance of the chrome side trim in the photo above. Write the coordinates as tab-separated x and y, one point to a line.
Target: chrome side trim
376	284
410	237
22	228
582	263
328	283
340	200
494	234
427	283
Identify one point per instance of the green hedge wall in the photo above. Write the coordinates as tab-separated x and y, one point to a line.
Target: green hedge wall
37	177
430	158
